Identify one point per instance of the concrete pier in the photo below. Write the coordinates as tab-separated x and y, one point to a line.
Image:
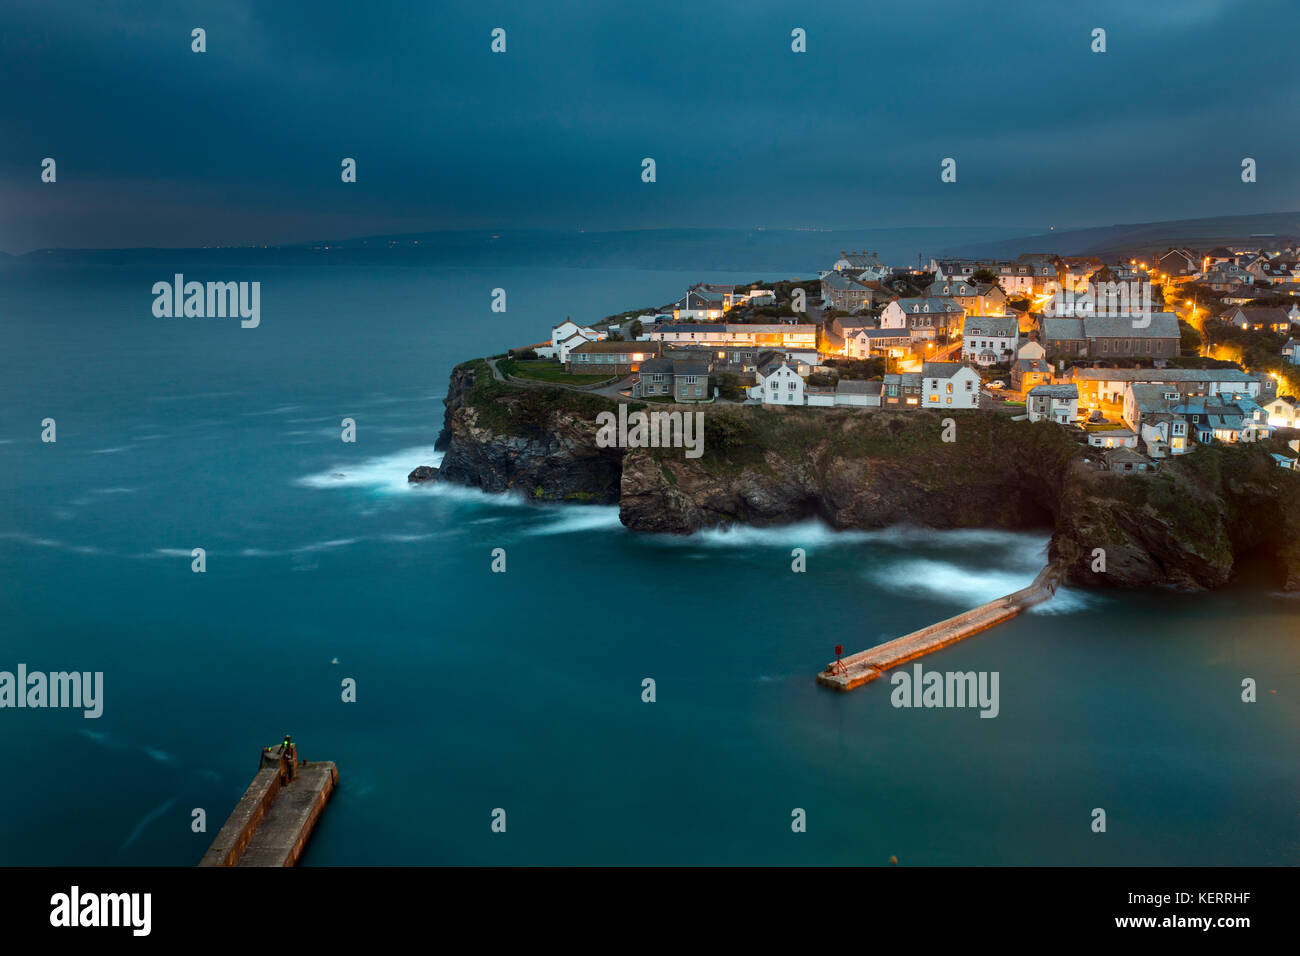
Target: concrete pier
865	666
272	821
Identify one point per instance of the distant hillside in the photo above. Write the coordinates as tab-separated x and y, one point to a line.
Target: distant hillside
765	252
1141	238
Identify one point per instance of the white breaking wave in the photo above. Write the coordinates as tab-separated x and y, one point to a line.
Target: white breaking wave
813	534
949	582
385	473
573	518
1065	601
805	534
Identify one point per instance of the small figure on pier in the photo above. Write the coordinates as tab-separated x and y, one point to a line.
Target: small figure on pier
285	755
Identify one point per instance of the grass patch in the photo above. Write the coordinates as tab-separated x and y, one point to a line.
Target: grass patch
545	370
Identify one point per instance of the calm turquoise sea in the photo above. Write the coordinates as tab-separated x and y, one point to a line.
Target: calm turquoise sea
522	691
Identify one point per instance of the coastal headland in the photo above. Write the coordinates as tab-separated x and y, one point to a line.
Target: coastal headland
1187	526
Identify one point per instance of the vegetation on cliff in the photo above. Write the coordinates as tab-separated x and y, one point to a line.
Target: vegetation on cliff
1188	525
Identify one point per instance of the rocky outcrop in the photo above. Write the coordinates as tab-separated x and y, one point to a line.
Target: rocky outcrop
541	442
1186	527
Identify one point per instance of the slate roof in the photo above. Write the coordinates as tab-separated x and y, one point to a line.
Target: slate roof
1064	392
1063	330
1163	375
996	326
858	387
1163	325
940	369
906	379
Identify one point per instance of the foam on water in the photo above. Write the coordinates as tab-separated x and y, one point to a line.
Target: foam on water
804	534
383	473
570	519
950	582
1065	601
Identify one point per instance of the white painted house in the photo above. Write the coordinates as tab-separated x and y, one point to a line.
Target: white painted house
1053	403
1113	438
989	339
949	385
935	312
865	266
778	385
567	336
1283	412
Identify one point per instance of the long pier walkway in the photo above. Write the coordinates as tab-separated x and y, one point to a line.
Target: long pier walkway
272	821
865	666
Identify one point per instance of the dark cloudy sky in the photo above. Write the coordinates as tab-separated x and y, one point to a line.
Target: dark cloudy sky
160	146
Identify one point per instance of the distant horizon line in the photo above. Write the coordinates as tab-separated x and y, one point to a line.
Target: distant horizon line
496	232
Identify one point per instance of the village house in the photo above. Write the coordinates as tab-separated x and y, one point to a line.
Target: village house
1291	351
778	384
722	336
1148	411
1126	461
1219	255
1112	438
924	317
1176	262
1283	412
867	342
1260	318
949	385
1026	276
1073	272
1282	461
1240	295
861	265
848	293
988	340
1212	419
568	335
607	358
684	380
973	298
1053	403
1106	386
902	390
1027	373
704	302
957	270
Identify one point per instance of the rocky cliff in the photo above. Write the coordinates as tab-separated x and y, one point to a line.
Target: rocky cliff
1187	527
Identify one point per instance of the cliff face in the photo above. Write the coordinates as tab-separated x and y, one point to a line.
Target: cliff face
541	442
1186	527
